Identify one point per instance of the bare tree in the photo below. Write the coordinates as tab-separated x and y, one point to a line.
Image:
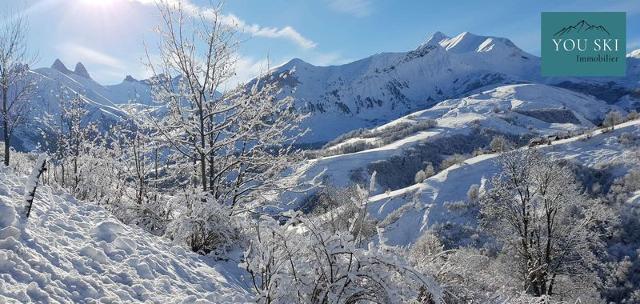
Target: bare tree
15	85
546	225
231	143
500	144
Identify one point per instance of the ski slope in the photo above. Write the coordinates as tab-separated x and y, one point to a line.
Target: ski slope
71	251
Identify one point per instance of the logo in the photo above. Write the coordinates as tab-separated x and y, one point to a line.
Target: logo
584	44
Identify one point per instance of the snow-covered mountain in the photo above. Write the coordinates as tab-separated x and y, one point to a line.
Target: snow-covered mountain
365	93
103	102
385	86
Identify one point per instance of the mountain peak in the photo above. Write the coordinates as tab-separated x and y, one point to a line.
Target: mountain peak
296	61
81	71
293	63
59	66
435	39
467	42
634	54
463	42
129	78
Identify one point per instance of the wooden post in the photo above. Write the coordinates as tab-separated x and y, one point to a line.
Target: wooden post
32	182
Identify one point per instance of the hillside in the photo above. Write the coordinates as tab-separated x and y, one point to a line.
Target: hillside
75	251
440	199
460	125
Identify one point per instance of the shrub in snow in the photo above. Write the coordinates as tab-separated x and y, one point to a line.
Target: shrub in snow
473	193
199	222
303	262
454	159
307	260
466	275
457	206
626	138
625	186
633	115
338	207
429	171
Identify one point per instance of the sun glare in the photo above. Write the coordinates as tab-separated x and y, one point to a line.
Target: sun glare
97	2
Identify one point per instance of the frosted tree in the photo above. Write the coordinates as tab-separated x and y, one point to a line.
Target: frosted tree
15	83
420	177
612	119
237	142
547	227
500	144
78	135
69	137
428	171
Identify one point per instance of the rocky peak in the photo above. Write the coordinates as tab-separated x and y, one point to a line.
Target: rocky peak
59	66
80	70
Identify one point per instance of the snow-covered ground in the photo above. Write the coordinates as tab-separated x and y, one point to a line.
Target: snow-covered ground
430	197
75	251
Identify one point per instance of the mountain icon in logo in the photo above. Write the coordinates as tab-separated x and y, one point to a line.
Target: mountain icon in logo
581	27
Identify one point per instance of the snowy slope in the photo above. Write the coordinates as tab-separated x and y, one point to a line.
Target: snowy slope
523	109
74	251
451	185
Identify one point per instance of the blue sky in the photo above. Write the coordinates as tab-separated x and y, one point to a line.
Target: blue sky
107	35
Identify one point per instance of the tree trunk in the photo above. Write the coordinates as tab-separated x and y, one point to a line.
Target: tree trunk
203	171
203	156
5	124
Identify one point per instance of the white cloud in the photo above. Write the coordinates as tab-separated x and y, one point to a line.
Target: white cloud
286	32
73	52
248	68
358	8
331	58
